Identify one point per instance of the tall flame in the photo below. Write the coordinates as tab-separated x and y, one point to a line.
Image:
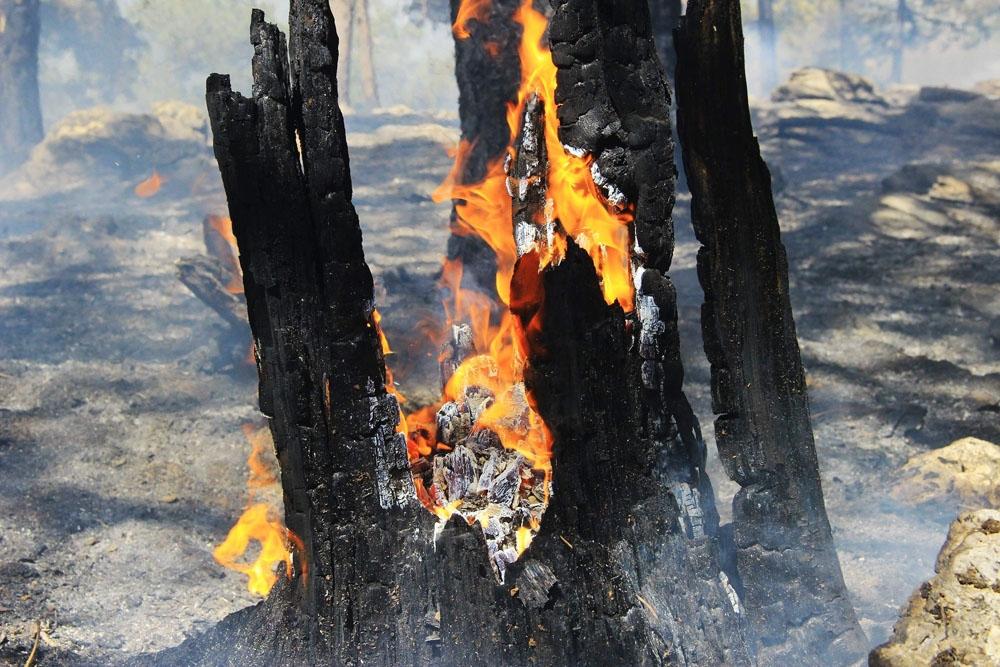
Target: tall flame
260	523
484	209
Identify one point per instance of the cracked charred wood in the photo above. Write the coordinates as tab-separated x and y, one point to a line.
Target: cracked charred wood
794	591
322	383
526	180
20	106
487	70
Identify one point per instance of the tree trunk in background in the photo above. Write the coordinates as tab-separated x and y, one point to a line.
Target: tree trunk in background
794	591
899	47
625	568
20	107
365	49
665	15
343	18
846	55
768	45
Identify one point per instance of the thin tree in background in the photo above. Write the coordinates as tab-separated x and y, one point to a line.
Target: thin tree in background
354	32
904	30
365	49
665	15
343	19
20	105
768	44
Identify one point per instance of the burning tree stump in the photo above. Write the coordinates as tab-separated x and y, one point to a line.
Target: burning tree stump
793	588
20	107
624	566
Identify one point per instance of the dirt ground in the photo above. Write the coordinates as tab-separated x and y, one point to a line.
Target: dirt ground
121	456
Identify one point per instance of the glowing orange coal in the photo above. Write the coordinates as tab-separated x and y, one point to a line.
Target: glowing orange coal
222	225
260	523
150	186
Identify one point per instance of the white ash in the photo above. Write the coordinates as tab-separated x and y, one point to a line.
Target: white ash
734	597
614	196
691	512
525	237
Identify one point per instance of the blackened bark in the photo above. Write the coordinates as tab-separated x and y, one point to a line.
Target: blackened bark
623	570
665	15
20	108
310	305
488	71
794	590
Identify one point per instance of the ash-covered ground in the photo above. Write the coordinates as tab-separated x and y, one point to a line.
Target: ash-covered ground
122	461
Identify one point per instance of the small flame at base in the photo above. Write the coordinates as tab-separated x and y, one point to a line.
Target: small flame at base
261	523
258	523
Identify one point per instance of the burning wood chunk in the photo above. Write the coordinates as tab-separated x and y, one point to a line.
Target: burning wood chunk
505	485
454	422
459	347
526	172
460	466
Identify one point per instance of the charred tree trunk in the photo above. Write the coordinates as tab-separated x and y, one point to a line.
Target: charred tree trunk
488	70
665	15
20	108
794	591
624	569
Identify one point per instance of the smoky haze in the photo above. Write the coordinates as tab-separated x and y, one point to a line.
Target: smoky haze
122	396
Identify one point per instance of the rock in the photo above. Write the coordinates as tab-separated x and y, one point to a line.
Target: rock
103	150
933	201
937	94
953	619
814	83
989	88
814	97
967	470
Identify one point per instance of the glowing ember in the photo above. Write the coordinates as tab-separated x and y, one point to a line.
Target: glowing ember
483	451
222	225
260	523
150	186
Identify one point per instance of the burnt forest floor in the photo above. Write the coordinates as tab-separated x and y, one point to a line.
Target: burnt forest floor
122	460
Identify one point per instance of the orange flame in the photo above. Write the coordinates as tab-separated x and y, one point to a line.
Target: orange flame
150	186
260	522
484	209
469	10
